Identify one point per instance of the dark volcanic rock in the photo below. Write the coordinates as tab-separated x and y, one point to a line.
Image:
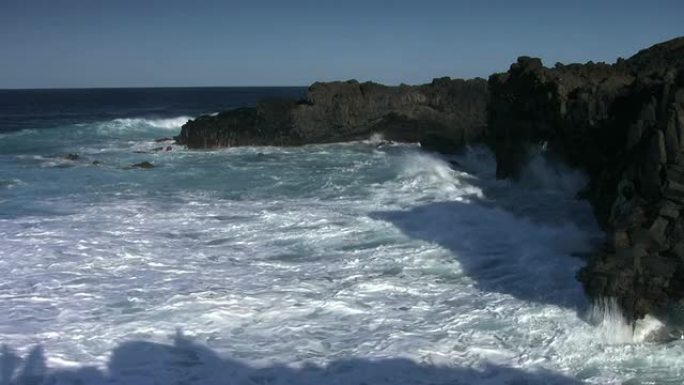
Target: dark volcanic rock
624	125
660	56
441	115
145	165
73	157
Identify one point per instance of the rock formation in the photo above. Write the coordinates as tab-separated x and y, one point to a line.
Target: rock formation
441	115
624	125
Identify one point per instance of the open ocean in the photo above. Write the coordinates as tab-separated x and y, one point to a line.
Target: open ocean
349	263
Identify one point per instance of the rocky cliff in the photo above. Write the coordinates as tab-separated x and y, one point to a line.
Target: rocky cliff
624	124
441	115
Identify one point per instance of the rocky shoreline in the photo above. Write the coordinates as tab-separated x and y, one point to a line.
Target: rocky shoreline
622	123
442	115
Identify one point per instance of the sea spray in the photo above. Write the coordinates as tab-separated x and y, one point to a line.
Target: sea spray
376	139
142	124
612	326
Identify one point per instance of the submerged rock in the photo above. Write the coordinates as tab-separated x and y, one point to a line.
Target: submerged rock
144	165
72	157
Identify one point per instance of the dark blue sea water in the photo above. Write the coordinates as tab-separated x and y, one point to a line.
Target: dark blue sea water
20	109
347	263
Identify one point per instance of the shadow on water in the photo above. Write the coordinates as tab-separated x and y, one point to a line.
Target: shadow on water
187	362
500	250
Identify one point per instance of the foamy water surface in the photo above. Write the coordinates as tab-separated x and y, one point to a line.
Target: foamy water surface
332	264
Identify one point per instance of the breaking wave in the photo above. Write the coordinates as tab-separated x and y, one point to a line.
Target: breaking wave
141	124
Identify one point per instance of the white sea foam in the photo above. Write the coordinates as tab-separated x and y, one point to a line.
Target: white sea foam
326	264
138	124
614	328
376	138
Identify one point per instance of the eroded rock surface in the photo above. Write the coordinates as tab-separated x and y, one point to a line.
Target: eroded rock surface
441	115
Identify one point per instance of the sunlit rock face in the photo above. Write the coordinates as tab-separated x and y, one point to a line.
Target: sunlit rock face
441	115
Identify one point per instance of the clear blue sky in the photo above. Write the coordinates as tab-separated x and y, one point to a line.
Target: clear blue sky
121	43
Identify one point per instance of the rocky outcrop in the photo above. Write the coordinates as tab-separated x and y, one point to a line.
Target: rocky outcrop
624	124
441	115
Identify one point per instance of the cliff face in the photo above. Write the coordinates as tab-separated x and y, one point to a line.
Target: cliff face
624	125
441	115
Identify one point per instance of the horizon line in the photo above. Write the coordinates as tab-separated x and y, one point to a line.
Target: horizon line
244	86
141	87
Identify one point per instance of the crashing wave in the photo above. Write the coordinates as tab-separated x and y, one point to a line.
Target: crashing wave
615	329
141	124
